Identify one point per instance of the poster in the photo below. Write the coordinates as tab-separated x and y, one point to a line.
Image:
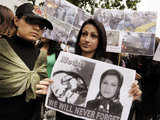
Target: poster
138	43
67	20
114	41
140	21
90	89
139	29
156	56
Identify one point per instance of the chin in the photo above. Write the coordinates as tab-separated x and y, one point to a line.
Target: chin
32	38
86	50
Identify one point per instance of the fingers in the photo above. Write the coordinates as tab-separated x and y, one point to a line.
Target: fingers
135	91
138	76
42	92
48	80
42	87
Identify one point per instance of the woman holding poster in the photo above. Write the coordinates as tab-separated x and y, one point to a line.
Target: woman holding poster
91	43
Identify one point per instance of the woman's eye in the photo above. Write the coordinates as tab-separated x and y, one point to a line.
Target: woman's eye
84	33
105	83
114	85
94	36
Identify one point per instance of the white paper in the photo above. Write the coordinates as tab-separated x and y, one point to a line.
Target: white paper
77	81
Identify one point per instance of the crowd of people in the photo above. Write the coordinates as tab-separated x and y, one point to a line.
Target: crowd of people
26	65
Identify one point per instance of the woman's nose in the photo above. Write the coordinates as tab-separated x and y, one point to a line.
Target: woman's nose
88	38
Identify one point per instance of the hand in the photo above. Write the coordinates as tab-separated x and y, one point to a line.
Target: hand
135	91
42	87
138	76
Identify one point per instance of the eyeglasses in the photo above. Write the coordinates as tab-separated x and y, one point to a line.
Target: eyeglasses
34	21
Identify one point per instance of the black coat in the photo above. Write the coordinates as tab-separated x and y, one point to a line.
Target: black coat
114	108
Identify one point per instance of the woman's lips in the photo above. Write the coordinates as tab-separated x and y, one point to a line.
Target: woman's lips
85	45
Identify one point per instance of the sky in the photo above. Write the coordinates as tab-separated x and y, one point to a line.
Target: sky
151	5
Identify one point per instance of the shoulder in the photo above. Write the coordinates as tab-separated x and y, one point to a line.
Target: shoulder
116	108
117	105
93	103
4	40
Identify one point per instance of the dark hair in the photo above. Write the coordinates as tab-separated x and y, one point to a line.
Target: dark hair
118	75
102	38
54	47
7	26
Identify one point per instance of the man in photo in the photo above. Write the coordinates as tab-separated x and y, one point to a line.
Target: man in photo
69	87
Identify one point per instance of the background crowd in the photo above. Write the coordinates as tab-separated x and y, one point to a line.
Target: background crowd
27	60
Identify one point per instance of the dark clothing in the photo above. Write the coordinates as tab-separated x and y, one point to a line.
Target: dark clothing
114	108
25	50
149	106
151	93
16	108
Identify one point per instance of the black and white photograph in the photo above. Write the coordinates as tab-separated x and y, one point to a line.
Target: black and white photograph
140	21
113	41
72	39
81	16
50	7
90	89
156	56
61	10
107	99
60	31
112	19
71	80
138	43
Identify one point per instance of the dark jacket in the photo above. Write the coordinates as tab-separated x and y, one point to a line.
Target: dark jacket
16	108
111	107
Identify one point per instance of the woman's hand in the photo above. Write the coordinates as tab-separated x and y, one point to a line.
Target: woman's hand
138	76
42	87
135	91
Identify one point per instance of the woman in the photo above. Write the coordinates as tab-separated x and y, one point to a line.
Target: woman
107	99
53	48
7	26
22	66
91	43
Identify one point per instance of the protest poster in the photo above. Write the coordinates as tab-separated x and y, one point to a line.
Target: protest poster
90	89
59	33
67	20
80	18
140	21
138	43
114	41
111	19
136	25
61	10
156	56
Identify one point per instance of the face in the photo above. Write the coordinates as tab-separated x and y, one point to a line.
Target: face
109	86
89	39
29	31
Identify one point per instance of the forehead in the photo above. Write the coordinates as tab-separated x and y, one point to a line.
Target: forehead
90	28
110	78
